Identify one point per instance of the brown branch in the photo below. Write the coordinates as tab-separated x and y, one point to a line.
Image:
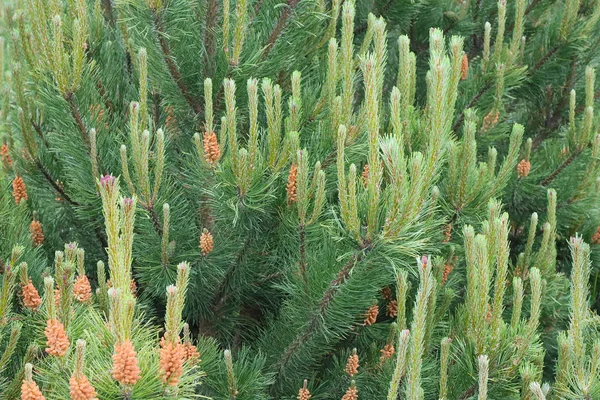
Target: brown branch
281	24
544	59
108	12
469	392
257	6
220	297
302	250
38	131
319	315
64	195
172	66
553	122
76	113
474	100
61	192
560	168
218	101
155	220
102	90
210	40
155	109
53	183
531	6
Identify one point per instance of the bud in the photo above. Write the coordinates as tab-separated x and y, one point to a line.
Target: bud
483	376
108	182
448	267
365	175
490	120
190	351
596	237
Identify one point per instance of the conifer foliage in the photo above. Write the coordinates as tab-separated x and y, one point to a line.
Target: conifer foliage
301	199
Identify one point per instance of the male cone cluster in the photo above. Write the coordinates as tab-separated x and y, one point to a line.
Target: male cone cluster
56	338
37	234
19	190
125	364
171	362
31	297
82	290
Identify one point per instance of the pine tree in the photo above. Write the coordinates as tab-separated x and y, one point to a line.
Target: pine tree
387	182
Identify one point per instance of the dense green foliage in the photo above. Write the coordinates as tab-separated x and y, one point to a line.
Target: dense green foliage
335	174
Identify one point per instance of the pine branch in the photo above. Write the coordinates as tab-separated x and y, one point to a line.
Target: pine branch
109	12
102	91
76	113
53	183
172	66
386	7
38	130
560	168
221	294
302	249
473	101
156	224
485	88
319	315
210	40
155	109
281	24
469	392
258	6
61	192
545	59
554	118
